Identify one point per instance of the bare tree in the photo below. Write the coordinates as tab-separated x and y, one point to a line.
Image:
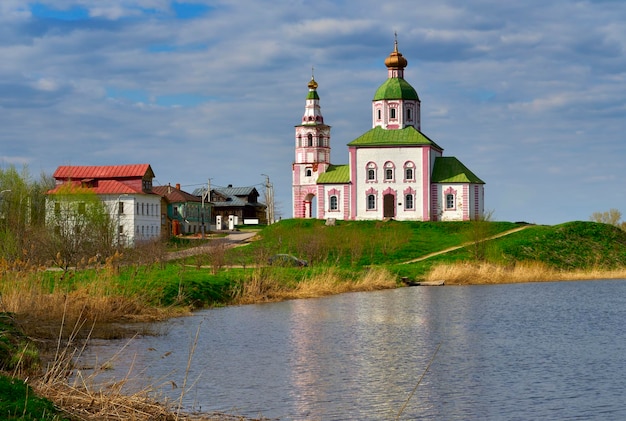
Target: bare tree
612	217
79	226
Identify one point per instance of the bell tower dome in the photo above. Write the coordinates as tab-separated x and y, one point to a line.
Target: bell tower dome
396	104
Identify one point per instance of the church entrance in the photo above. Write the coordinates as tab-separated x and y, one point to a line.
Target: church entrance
389	206
310	206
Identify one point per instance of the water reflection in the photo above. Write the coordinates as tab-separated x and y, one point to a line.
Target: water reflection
533	351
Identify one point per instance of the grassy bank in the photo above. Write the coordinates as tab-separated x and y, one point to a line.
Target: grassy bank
351	256
49	307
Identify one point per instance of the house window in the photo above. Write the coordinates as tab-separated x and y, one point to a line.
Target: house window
409	171
310	139
371	172
334	203
147	185
120	229
120	208
408	201
175	210
449	201
309	172
371	202
389	167
392	113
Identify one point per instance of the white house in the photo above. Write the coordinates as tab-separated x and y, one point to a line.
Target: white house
394	170
126	190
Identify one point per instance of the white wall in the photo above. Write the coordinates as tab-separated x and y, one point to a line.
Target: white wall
398	156
141	219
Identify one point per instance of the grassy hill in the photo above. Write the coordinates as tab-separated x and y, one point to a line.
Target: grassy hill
572	246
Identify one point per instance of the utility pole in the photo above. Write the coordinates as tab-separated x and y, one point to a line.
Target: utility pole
269	200
207	196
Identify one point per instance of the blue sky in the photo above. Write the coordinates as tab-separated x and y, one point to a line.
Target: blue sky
531	96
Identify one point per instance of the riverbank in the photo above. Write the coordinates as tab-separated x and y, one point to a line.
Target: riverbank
54	308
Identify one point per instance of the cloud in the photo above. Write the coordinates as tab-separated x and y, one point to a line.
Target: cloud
518	91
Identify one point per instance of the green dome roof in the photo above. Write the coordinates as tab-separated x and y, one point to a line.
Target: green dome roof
396	88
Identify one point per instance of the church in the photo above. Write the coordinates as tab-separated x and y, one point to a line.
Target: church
394	171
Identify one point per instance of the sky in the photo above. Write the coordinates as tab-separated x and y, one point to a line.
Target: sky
530	96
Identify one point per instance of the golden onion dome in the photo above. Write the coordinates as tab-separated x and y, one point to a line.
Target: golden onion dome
312	84
395	59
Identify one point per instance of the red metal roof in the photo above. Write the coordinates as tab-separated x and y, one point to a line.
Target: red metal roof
174	195
79	172
103	187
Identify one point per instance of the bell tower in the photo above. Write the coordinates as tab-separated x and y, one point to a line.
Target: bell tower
312	157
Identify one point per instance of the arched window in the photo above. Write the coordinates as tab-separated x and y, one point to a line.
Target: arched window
409	171
408	114
309	172
392	113
310	139
389	171
408	202
371	172
371	202
379	113
334	203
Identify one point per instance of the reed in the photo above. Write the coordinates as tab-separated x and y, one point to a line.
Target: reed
86	398
263	286
40	301
468	273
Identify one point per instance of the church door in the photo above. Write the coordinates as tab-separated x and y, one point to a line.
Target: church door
389	206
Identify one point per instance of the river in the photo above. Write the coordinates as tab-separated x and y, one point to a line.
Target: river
549	351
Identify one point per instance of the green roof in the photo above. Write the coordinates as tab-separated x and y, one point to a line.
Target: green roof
312	95
450	170
335	174
409	136
395	88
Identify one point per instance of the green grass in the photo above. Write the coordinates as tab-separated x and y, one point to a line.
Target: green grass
568	246
359	243
354	246
19	402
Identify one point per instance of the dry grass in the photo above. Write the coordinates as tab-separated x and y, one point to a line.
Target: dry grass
485	273
261	288
83	403
40	308
85	398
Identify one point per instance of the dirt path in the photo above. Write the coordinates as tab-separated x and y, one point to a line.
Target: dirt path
428	256
233	239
